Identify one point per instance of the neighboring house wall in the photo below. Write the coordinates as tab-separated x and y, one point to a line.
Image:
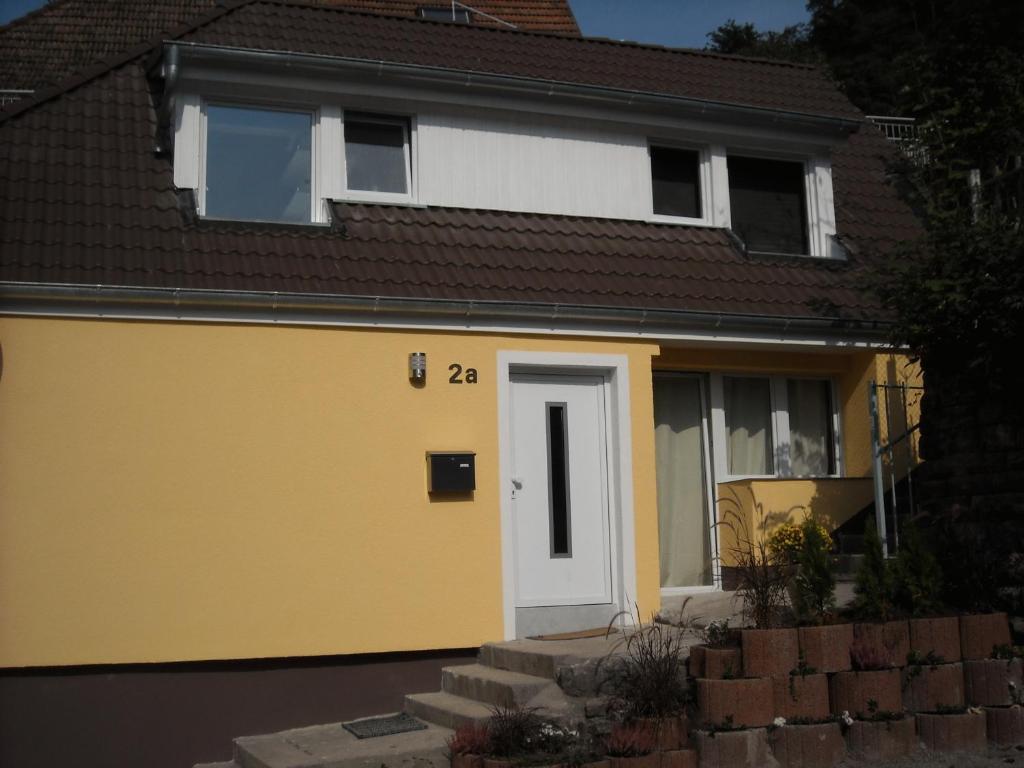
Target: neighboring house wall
184	491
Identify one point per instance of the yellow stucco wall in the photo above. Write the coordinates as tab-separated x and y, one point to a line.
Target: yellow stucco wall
763	505
179	491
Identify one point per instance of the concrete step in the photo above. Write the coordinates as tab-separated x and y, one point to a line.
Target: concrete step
331	746
489	685
446	709
542	658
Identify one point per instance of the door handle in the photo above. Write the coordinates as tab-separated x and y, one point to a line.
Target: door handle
517	485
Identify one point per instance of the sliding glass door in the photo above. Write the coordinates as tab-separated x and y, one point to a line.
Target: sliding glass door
681	452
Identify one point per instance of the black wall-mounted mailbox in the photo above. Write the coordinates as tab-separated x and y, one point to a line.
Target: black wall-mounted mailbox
451	472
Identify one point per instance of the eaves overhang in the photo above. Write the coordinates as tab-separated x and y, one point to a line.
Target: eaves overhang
55	299
182	53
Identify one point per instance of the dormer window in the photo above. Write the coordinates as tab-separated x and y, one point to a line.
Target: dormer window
768	201
259	164
377	157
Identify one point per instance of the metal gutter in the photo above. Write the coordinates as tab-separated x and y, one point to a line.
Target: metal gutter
533	86
273	306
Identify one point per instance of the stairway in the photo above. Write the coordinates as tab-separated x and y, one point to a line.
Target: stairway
520	672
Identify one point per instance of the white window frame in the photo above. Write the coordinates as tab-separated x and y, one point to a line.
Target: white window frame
317	213
704	185
408	125
781	440
819	202
329	174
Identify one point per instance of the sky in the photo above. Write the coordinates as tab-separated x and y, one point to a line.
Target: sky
678	23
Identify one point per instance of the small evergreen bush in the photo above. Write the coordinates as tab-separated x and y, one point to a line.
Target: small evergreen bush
815	584
873	588
917	576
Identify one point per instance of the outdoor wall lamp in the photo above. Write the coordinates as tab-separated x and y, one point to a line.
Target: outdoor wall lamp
417	367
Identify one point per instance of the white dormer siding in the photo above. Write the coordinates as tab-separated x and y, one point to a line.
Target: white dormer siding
526	163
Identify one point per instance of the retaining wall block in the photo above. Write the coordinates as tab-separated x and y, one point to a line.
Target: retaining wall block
679	758
808	746
981	632
929	689
652	760
745	702
670	733
827	648
770	652
939	636
1004	725
854	692
716	663
890	638
801	696
735	749
992	682
882	739
952	733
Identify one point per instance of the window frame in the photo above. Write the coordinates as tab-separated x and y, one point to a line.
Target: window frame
408	124
781	438
818	202
316	213
704	182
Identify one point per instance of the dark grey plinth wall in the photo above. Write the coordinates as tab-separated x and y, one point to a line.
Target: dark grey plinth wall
176	715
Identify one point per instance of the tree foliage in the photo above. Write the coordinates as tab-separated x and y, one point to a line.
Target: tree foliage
791	44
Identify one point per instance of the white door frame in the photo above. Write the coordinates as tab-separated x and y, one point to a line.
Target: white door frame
615	371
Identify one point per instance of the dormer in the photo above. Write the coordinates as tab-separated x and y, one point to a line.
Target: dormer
276	136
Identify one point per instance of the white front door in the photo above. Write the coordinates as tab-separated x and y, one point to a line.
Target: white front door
560	502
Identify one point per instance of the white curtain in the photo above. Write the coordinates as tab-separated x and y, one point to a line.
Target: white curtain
810	422
748	425
684	535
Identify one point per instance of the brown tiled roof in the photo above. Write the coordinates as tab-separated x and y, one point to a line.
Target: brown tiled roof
67	36
282	26
84	200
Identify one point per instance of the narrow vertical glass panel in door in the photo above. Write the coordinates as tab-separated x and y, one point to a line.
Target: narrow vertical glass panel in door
558	481
684	531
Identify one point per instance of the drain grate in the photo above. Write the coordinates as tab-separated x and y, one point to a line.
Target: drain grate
372	727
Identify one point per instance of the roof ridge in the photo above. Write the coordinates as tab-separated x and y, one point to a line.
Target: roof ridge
94	72
581	39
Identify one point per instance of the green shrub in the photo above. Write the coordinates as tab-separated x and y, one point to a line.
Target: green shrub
815	584
917	576
873	588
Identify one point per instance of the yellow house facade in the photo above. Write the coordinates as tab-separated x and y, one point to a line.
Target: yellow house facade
166	479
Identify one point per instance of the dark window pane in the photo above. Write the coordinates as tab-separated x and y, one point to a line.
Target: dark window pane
675	177
768	205
457	15
375	156
558	481
258	164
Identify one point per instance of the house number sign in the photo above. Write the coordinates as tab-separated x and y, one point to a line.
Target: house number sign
457	376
